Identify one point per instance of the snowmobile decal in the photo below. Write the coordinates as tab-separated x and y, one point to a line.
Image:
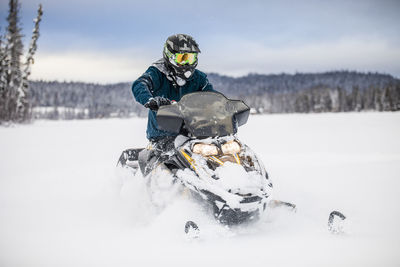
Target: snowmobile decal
237	158
216	160
189	159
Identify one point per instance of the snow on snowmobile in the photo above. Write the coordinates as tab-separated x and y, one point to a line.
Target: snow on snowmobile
206	160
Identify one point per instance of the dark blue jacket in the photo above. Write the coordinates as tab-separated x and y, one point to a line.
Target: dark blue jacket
155	83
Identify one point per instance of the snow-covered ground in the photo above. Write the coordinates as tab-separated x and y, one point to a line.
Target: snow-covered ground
63	203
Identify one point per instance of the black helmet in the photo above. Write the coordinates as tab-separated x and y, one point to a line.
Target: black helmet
180	55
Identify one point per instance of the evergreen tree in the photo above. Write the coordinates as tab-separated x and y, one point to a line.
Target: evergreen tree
15	106
356	100
388	103
334	95
302	104
378	99
23	105
13	52
397	97
3	67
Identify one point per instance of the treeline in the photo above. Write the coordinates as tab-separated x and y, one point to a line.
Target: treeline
340	91
72	100
323	98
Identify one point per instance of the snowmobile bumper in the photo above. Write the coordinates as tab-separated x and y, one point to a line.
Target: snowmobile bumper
229	216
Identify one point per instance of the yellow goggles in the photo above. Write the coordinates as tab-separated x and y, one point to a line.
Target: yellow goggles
182	58
185	58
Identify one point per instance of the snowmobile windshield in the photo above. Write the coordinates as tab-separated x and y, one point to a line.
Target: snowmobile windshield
204	114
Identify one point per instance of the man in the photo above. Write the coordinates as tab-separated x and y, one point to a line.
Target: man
168	79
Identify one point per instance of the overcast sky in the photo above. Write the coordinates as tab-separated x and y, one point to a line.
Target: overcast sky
116	40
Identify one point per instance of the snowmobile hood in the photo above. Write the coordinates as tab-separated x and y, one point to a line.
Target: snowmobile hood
203	114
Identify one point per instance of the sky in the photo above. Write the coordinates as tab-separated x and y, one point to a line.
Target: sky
107	41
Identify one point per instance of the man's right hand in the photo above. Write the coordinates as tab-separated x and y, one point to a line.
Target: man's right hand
155	103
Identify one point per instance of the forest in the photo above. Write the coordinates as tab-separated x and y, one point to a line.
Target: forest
339	91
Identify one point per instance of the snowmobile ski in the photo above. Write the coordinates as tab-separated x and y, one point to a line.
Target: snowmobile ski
335	226
278	203
192	230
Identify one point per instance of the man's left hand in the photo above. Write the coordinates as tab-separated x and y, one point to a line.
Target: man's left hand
155	103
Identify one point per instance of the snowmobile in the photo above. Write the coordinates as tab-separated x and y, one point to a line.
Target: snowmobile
206	161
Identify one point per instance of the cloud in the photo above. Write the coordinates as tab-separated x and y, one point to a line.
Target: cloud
361	54
111	66
89	66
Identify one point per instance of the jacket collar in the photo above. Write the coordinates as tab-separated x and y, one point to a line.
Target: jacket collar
176	81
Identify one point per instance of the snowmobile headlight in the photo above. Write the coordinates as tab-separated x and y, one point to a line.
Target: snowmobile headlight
231	148
205	149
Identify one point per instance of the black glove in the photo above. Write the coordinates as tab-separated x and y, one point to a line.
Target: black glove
155	103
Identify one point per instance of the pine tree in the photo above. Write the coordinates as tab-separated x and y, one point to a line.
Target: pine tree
3	65
15	106
388	103
23	105
378	99
13	51
356	101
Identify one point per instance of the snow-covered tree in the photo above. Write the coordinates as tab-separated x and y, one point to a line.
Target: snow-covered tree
3	68
14	84
23	105
13	49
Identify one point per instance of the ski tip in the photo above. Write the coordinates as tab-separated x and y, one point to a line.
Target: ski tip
192	230
190	225
335	222
336	213
278	203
